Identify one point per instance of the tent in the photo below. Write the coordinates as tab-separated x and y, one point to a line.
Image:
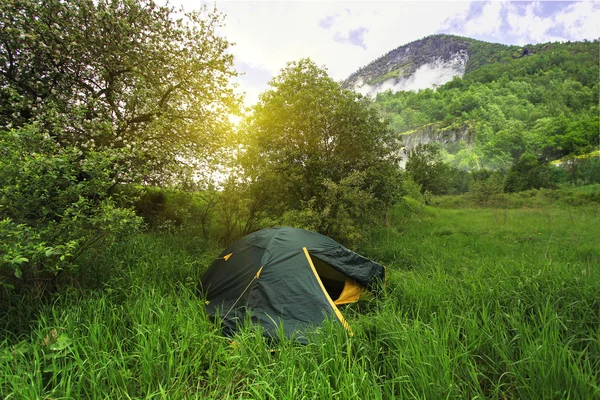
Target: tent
286	276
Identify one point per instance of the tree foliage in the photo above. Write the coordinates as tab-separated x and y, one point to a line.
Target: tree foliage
114	74
545	103
428	170
49	216
95	94
317	155
528	173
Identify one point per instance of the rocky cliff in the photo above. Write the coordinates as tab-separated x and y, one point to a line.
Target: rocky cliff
435	132
425	63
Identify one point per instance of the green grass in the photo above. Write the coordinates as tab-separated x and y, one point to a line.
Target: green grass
480	303
566	197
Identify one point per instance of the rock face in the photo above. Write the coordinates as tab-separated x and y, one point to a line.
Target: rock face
435	133
425	63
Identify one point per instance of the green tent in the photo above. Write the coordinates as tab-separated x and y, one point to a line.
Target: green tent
286	276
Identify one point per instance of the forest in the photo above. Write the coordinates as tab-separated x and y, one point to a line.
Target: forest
544	103
122	177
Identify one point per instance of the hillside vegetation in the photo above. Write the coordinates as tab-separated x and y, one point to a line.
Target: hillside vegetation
544	103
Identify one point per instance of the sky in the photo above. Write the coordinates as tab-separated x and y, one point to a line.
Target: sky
346	35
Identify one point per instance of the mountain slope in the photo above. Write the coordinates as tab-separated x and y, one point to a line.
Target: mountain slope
540	99
426	63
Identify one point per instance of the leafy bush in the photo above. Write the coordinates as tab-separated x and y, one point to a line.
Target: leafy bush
55	206
346	204
486	186
178	208
528	173
427	168
590	170
412	189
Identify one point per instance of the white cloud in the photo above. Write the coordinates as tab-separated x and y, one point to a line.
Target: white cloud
268	34
522	23
489	22
575	22
530	27
580	20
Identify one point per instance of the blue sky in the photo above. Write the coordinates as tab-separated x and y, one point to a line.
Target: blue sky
345	35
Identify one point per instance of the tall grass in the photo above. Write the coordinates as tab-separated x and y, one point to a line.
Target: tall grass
480	303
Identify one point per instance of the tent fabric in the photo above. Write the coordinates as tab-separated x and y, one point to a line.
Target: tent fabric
302	275
351	292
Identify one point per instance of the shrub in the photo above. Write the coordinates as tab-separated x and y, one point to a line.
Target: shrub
348	209
55	206
590	170
528	173
486	187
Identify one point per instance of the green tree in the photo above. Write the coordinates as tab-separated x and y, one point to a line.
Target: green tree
94	94
319	152
528	173
507	141
128	75
425	166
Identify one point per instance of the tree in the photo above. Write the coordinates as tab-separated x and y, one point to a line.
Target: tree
93	94
127	76
528	173
510	141
425	166
319	156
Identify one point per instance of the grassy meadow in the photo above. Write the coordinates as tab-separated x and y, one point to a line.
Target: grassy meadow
498	303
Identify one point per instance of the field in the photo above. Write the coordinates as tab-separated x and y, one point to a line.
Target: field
499	303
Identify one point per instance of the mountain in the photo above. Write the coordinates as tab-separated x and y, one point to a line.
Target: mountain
426	63
488	104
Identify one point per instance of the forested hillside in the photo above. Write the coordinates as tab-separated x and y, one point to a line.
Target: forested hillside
541	100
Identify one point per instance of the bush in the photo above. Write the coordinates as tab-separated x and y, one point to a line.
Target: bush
348	209
527	174
412	189
55	206
590	170
486	187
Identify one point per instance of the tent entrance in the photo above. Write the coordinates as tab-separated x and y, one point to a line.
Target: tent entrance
341	289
